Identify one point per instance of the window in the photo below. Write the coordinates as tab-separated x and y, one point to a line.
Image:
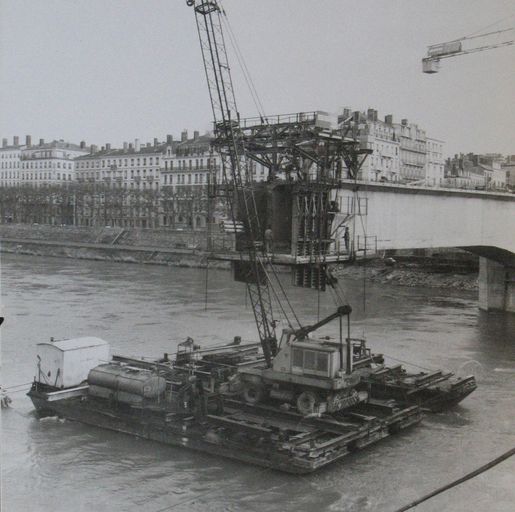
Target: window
309	359
322	362
298	357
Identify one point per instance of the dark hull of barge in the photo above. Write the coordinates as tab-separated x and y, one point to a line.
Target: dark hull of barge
261	435
434	392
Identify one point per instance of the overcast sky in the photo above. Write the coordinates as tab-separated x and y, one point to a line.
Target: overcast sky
113	70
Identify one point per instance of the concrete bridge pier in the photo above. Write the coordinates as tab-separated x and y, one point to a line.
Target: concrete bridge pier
496	286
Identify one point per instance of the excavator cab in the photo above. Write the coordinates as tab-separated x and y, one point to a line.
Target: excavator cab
308	357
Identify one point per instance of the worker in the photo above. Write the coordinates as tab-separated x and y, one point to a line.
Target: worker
269	237
346	238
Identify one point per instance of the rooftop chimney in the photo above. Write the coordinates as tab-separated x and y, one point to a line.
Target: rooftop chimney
169	139
370	114
93	149
28	141
82	144
108	146
155	142
404	122
137	146
125	146
347	112
4	143
195	135
184	135
388	119
356	115
41	142
16	140
131	146
375	115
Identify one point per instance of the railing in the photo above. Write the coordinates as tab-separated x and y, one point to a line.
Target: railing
299	117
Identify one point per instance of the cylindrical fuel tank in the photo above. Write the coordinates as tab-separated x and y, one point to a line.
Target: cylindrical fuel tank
128	379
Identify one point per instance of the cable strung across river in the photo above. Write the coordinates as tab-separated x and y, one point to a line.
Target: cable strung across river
468	476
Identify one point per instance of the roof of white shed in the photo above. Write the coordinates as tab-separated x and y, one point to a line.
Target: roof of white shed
76	343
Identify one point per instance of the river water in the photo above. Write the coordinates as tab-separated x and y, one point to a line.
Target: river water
62	466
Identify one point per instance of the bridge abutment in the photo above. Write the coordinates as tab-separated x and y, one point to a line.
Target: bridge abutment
496	286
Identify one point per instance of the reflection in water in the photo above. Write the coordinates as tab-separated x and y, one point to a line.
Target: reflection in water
146	310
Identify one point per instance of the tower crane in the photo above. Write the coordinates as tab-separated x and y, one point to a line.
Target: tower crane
463	46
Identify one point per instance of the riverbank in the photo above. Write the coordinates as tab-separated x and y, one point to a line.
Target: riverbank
125	245
188	249
413	274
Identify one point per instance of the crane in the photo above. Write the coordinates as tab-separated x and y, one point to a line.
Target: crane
228	140
436	52
297	369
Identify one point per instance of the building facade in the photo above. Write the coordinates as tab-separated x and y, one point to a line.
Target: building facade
121	187
509	167
435	164
51	163
401	152
188	181
480	172
413	151
10	163
379	136
136	166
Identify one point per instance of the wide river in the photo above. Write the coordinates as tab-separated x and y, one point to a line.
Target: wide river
61	466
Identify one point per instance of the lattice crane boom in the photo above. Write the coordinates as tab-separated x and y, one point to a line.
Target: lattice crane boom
229	141
436	52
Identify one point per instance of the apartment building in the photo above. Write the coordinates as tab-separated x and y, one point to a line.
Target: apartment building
379	136
136	166
10	162
435	164
413	151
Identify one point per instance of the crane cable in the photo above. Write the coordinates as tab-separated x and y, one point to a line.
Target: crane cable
283	291
454	483
241	61
489	26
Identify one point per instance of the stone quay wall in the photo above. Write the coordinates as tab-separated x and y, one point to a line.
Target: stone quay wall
131	245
